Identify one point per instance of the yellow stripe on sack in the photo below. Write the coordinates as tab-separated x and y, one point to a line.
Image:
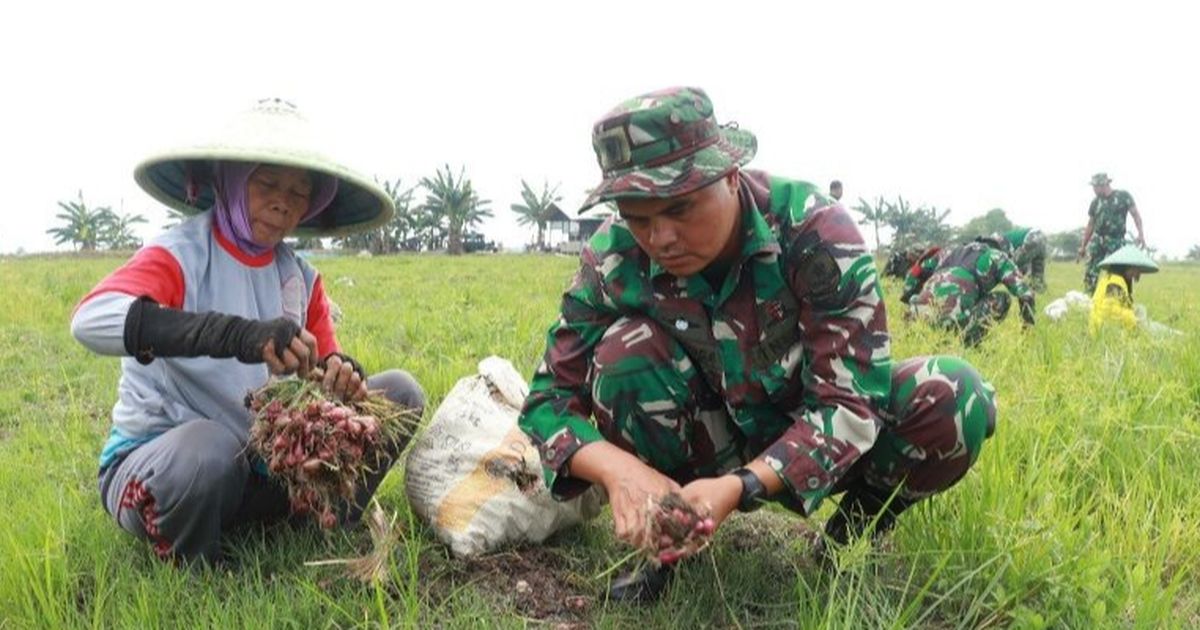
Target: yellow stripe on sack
463	501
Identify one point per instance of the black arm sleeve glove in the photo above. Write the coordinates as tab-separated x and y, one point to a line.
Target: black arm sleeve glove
153	331
362	372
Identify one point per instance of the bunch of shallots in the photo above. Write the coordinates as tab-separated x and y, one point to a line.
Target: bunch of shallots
319	448
676	530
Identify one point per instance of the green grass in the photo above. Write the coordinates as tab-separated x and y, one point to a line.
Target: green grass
1082	511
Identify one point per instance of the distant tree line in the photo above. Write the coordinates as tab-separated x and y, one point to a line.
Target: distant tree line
443	220
926	225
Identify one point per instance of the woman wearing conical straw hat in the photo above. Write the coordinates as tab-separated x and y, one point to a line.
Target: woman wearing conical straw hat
207	311
1112	302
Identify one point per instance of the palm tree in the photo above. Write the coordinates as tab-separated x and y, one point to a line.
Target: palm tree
912	226
389	237
537	209
400	228
429	227
116	231
456	200
872	215
83	225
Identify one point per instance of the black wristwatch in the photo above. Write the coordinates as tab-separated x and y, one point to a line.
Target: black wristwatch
753	490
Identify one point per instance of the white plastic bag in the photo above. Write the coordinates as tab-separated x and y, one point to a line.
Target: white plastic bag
1073	300
474	476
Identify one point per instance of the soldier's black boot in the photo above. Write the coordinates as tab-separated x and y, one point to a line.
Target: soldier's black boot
641	586
861	505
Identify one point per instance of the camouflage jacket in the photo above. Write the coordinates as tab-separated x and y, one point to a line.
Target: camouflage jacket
1108	215
965	274
795	340
919	272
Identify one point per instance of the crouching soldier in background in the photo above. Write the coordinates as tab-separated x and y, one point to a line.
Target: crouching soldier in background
725	338
901	260
1028	246
954	289
918	270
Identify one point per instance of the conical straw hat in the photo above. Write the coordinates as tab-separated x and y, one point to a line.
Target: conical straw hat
1131	256
273	131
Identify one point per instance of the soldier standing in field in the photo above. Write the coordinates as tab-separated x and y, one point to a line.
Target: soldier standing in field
1105	232
953	290
725	339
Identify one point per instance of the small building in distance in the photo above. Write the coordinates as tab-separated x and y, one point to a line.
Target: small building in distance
581	230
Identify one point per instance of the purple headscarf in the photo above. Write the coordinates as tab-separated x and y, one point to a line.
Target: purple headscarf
230	208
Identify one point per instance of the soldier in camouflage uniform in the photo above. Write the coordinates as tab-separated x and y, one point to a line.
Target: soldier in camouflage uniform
1105	232
954	289
1029	252
725	338
920	267
902	260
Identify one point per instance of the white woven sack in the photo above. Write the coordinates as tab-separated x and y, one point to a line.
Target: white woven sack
474	476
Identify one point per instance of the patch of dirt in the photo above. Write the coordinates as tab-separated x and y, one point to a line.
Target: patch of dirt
553	585
541	584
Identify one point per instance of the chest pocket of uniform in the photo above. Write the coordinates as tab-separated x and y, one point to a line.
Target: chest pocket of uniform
693	333
779	323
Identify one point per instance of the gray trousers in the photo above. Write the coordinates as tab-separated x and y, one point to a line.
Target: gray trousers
183	489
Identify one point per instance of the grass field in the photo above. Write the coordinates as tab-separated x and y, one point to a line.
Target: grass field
1082	512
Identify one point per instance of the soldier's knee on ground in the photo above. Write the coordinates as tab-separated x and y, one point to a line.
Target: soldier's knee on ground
641	390
944	411
974	400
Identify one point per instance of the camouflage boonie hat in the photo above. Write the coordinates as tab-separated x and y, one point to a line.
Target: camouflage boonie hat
1100	179
664	144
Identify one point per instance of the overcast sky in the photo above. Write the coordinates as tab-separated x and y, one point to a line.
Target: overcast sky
956	104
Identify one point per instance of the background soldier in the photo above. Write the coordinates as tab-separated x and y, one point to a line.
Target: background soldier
1029	252
1105	232
956	288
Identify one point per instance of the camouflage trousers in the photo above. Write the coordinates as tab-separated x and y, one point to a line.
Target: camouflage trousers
650	400
970	319
1031	259
1098	249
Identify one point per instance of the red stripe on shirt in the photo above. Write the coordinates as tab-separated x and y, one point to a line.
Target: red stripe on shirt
152	272
250	260
319	322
